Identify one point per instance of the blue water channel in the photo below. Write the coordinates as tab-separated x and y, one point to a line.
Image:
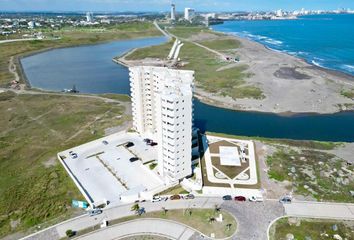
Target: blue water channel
91	69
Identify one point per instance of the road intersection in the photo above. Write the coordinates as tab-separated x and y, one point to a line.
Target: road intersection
250	216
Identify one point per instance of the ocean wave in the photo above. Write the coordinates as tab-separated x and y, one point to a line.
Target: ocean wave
316	64
348	67
273	41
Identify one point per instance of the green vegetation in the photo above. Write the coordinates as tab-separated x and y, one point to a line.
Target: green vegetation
222	44
174	190
202	220
349	93
34	187
311	229
187	32
313	173
211	78
289	142
71	36
118	97
159	51
69	233
152	166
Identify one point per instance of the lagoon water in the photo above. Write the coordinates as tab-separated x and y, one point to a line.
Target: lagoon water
323	40
91	69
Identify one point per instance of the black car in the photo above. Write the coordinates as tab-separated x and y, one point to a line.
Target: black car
129	144
133	159
227	198
153	144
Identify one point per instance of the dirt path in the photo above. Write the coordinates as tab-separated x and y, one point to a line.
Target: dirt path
13	70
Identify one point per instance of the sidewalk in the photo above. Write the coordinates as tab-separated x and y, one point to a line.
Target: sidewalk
344	211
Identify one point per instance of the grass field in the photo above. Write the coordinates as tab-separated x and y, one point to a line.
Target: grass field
313	173
222	44
207	65
195	218
349	93
159	51
71	37
34	188
187	32
311	229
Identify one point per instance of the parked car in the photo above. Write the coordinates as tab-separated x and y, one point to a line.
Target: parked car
256	199
156	199
105	142
129	144
189	196
227	198
153	144
73	155
133	159
95	212
147	140
240	198
285	199
175	197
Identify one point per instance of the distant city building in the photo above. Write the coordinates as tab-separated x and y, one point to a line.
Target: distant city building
189	13
31	24
162	109
279	13
89	17
173	12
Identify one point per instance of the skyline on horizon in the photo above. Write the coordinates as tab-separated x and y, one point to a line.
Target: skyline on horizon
163	5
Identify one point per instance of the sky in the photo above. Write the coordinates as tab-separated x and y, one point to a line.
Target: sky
163	5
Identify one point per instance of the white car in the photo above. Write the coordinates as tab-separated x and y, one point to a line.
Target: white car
156	199
256	199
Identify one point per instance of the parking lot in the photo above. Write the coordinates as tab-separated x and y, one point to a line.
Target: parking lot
103	171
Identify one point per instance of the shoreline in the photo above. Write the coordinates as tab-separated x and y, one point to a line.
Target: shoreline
202	96
262	60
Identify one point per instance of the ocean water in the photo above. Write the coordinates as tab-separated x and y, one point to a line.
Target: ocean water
323	40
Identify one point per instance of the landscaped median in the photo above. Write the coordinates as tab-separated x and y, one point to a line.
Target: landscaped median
310	229
204	221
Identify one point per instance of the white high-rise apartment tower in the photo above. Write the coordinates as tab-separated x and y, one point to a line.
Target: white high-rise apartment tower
189	13
173	12
162	110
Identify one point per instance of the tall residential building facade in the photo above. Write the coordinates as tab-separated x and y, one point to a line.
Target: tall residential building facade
189	13
162	110
173	12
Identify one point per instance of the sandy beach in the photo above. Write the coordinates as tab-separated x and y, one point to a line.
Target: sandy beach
290	84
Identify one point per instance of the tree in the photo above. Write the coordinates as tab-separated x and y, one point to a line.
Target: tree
211	219
164	210
69	233
217	208
228	226
135	208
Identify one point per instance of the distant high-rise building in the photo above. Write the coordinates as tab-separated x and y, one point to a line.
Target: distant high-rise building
173	12
162	110
279	13
89	17
189	14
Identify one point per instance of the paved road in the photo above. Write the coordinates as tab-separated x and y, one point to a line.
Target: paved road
320	210
169	229
253	218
